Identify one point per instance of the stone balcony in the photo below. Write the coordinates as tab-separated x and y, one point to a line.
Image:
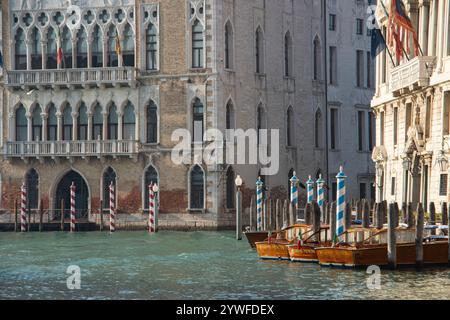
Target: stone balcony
71	78
411	75
70	149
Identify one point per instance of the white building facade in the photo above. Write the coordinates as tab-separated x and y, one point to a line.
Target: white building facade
412	109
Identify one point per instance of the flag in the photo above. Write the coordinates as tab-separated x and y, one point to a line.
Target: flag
118	48
378	43
59	51
401	29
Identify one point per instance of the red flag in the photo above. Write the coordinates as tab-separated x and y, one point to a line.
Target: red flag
59	51
401	29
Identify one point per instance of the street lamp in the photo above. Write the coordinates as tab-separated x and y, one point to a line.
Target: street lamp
406	163
238	182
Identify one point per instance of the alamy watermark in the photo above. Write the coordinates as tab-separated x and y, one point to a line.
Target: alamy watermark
73	281
374	279
211	149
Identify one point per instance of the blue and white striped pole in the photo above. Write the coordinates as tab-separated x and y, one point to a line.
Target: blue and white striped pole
320	193
294	189
259	203
310	188
340	206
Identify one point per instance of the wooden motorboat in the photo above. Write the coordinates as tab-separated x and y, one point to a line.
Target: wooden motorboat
304	250
373	251
256	236
277	249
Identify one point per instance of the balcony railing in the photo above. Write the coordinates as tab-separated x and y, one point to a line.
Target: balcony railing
72	77
414	74
71	148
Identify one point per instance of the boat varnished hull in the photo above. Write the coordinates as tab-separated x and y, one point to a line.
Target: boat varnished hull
433	253
305	253
272	251
255	236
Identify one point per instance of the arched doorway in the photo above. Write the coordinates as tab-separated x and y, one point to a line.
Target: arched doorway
81	195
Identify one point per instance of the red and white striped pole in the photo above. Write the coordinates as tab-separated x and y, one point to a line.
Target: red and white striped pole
112	208
23	208
72	207
151	209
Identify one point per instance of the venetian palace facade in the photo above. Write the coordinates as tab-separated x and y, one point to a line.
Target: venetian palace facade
412	104
98	118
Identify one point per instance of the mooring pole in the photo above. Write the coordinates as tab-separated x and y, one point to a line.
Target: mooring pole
251	214
404	212
391	237
410	221
333	222
41	214
101	215
316	220
62	214
277	214
366	215
433	217
359	209
291	214
308	213
15	215
397	214
238	213
285	214
419	235
444	210
347	219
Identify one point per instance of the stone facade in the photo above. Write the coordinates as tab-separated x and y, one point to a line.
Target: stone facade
104	124
412	112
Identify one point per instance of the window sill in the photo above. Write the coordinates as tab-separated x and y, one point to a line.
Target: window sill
195	211
229	70
198	70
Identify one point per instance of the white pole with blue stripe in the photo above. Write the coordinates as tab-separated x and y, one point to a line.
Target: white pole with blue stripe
340	206
259	203
320	193
294	190
310	189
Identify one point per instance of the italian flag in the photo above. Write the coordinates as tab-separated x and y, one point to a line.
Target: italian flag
59	51
118	48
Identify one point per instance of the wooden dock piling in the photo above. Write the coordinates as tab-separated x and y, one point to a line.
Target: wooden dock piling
379	216
101	215
41	215
291	214
277	215
333	221
15	215
410	221
359	209
419	235
316	219
404	212
444	210
366	215
62	214
432	217
327	213
29	218
391	236
308	214
397	214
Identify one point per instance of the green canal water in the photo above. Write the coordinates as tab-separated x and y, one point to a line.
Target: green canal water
177	265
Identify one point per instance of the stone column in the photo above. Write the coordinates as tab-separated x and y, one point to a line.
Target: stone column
28	43
440	32
89	128
120	126
44	126
105	125
105	51
89	52
59	126
29	127
432	29
74	53
44	54
74	126
424	24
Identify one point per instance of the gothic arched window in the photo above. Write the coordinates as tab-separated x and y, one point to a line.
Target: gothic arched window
129	122
152	123
20	51
197	188
36	49
21	124
67	123
82	122
82	51
52	124
128	46
229	46
36	123
151	47
97	48
112	123
97	122
197	44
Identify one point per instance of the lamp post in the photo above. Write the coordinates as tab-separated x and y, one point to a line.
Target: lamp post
238	183
155	189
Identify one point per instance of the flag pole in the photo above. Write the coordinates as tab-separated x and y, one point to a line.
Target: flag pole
387	15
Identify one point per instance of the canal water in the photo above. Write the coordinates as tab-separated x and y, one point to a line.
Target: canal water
177	265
